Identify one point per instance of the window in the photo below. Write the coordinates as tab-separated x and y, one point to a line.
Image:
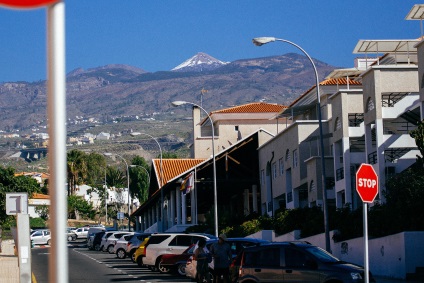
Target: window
181	240
236	128
274	170
295	158
281	165
295	258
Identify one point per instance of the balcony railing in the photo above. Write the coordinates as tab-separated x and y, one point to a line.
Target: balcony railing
372	158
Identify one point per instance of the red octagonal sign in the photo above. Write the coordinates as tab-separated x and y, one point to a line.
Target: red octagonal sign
26	3
366	183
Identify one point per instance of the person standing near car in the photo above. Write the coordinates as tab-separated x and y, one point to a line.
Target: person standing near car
221	252
202	267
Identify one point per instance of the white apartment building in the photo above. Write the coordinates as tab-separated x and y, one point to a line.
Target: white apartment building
233	124
367	114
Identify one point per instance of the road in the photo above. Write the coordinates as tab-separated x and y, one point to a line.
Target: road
92	267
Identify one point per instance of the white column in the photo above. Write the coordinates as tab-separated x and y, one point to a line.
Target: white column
255	198
178	201
246	207
347	173
381	172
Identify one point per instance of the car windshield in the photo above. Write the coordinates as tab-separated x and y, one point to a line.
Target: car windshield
322	255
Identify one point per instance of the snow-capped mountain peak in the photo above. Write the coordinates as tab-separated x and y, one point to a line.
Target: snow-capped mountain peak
199	62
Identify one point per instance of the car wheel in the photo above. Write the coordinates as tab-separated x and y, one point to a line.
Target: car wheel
181	269
132	255
139	261
162	269
121	253
97	247
48	242
110	249
69	238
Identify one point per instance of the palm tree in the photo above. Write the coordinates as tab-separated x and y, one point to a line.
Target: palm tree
77	169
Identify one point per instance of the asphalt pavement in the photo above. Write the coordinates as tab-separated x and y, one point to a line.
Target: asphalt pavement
9	269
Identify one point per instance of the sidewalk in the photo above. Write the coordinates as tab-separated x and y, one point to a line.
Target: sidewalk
9	270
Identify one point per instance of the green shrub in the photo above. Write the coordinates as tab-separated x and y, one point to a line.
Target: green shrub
37	223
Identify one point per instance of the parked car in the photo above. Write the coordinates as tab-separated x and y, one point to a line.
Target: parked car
112	239
82	232
140	252
296	262
134	242
71	236
237	246
169	243
103	246
93	230
177	262
120	247
97	240
41	237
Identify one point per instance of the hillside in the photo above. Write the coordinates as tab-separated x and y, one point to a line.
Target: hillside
120	90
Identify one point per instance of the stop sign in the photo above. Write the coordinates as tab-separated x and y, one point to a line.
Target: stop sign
26	3
366	183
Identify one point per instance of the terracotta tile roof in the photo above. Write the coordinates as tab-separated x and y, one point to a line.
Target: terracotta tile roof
174	167
255	107
40	196
331	81
339	81
42	175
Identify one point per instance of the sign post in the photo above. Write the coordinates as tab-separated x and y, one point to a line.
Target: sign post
56	114
367	188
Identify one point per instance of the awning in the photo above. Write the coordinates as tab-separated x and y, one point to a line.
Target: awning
385	46
416	13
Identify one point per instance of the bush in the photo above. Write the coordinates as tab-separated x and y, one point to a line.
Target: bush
37	223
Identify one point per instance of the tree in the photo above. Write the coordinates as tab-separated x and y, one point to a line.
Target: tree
11	183
78	208
96	164
418	136
139	185
77	169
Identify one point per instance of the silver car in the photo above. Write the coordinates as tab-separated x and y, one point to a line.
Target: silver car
41	237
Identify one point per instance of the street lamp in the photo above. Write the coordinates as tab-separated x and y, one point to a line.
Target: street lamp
160	180
147	172
106	196
259	41
128	187
215	194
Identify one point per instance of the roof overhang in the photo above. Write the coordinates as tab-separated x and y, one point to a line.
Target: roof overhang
385	46
416	13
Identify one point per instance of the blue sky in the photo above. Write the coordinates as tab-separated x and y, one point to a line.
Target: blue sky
157	35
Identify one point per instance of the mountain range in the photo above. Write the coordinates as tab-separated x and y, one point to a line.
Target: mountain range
122	90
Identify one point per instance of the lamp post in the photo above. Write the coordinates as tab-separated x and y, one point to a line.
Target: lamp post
259	41
106	196
128	187
160	180
215	194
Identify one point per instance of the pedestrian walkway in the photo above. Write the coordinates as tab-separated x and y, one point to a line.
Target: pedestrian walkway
9	269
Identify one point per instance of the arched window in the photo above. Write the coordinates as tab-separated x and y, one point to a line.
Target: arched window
370	104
